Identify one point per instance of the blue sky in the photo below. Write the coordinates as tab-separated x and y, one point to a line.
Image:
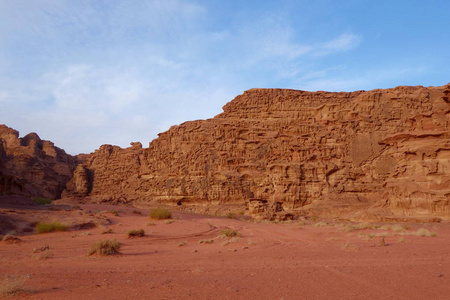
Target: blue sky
91	72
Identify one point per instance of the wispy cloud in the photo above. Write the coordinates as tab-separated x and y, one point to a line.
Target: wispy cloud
92	72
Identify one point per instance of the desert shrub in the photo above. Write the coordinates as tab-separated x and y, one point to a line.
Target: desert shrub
11	239
229	233
206	241
241	213
12	285
136	212
44	227
114	212
42	201
136	233
425	232
106	247
106	231
231	215
160	213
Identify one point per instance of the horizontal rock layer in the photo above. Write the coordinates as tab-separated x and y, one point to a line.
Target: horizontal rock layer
293	152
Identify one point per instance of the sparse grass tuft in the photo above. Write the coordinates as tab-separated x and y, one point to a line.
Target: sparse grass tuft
425	232
42	201
229	233
151	224
106	247
44	227
320	224
136	233
12	285
348	245
136	212
160	213
181	244
115	212
231	215
206	241
106	231
232	240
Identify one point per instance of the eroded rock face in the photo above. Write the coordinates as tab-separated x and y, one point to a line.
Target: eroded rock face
31	166
363	153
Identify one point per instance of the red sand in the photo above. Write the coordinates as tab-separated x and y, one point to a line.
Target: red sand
269	261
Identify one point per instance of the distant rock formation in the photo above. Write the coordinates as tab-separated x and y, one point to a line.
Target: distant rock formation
362	154
32	167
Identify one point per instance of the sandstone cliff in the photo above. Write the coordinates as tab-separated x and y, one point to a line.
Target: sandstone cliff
31	166
364	153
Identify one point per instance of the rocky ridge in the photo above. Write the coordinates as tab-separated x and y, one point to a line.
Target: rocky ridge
30	166
365	154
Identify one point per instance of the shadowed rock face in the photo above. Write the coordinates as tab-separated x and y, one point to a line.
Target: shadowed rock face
32	167
367	154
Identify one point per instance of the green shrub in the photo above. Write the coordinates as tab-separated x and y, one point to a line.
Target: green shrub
106	247
160	213
44	227
136	233
42	201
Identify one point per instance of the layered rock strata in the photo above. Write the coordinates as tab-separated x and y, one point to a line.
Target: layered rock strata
287	151
31	166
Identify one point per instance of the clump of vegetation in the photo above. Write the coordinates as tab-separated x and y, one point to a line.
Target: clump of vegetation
181	244
107	231
137	212
42	201
43	253
12	285
206	241
160	213
241	212
115	212
151	224
136	233
425	232
229	233
321	224
106	247
44	227
231	215
11	239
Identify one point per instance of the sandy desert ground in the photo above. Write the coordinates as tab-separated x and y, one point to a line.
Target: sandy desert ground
312	259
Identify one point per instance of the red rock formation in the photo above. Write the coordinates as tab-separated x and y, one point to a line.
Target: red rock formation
362	154
33	167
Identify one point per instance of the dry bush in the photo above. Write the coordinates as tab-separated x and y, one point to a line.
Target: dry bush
106	247
136	233
106	231
11	239
160	213
425	232
229	233
12	285
136	212
44	227
206	241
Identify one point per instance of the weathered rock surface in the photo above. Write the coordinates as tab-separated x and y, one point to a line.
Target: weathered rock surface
31	166
362	154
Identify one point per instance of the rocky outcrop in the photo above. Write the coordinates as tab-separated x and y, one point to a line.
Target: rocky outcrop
364	153
31	166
